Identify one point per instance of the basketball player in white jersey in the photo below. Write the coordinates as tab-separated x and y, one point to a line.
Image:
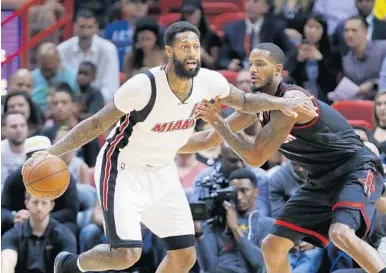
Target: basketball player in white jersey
135	171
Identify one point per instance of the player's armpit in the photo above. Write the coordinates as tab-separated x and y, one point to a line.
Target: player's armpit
266	143
209	138
87	130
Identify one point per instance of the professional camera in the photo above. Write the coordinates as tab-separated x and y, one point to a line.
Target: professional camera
214	190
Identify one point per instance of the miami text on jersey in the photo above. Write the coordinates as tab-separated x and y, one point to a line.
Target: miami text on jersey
174	125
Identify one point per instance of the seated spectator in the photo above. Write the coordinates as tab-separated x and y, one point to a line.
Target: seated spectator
148	50
20	101
193	12
220	171
33	245
120	32
42	16
376	30
86	45
378	135
243	81
235	247
188	167
240	37
49	73
363	62
76	165
21	80
282	184
293	13
316	66
64	111
334	11
90	100
12	199
12	147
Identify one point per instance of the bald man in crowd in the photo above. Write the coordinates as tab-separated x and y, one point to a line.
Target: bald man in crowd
49	72
21	80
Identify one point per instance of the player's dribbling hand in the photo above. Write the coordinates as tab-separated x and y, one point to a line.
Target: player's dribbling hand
33	157
209	112
293	106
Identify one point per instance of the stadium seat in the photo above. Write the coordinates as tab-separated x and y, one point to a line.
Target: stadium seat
360	124
356	110
231	76
168	19
216	8
168	6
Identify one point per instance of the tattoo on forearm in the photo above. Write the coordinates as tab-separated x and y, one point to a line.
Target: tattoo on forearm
240	145
87	130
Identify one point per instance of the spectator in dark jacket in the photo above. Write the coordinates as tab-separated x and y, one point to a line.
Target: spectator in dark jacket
242	36
32	245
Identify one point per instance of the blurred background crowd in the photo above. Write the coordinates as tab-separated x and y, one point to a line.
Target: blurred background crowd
335	49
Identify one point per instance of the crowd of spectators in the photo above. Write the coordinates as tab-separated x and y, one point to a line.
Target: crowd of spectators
334	49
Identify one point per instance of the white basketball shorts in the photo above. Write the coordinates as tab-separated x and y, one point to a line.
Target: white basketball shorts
131	194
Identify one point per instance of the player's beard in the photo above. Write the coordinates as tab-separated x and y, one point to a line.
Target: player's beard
180	70
268	81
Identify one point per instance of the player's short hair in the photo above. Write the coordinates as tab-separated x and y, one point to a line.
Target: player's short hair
275	52
85	13
243	173
176	28
360	18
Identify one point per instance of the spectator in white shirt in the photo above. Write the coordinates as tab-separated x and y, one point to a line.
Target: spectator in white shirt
12	148
88	46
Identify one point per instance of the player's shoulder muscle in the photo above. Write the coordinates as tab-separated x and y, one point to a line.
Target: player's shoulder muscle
134	94
215	83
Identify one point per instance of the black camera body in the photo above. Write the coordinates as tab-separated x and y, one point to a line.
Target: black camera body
214	190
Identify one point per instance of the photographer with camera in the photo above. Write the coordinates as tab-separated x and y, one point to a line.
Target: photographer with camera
220	171
235	246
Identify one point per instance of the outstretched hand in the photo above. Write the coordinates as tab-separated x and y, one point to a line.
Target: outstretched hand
209	112
293	106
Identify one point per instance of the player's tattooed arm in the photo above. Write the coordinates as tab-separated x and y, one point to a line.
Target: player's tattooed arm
209	138
257	152
87	130
259	102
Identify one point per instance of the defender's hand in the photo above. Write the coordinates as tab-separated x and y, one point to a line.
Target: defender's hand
209	112
293	106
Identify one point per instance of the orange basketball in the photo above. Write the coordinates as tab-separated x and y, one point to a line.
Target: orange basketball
46	176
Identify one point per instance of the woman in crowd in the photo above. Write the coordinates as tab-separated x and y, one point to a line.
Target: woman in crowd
193	12
316	64
20	101
378	135
147	51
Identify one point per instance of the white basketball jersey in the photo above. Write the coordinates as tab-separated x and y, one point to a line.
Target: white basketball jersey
157	124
